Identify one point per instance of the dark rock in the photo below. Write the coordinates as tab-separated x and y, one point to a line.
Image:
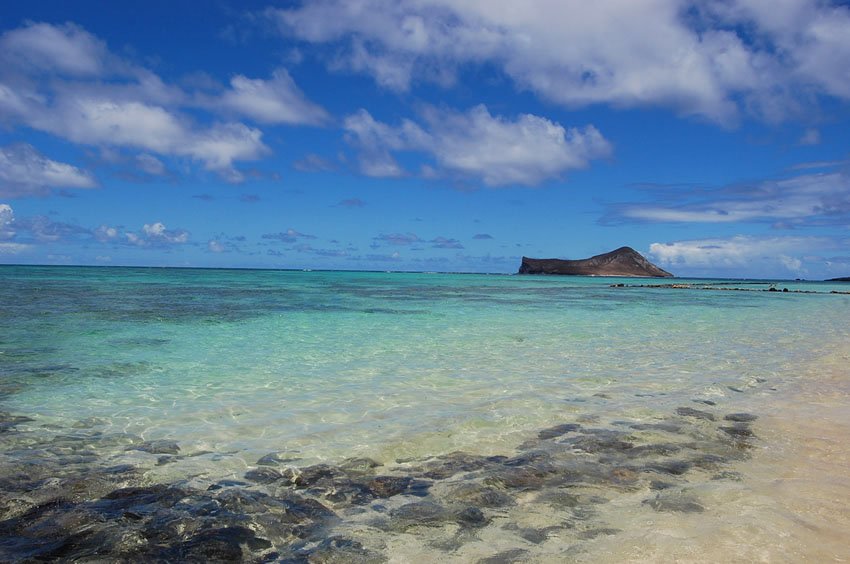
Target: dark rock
738	430
471	517
593	533
601	442
263	475
558	430
274	459
706	402
624	261
535	536
388	486
420	513
226	484
658	485
157	447
708	461
728	475
559	499
306	477
741	417
659	449
479	495
359	465
667	427
507	557
531	477
696	413
338	550
453	463
221	545
674	467
300	509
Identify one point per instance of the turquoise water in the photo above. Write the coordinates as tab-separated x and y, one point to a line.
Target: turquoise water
319	367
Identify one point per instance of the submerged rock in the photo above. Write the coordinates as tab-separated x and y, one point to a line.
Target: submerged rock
388	486
696	413
157	447
741	417
263	475
479	495
738	430
507	557
675	502
558	430
337	550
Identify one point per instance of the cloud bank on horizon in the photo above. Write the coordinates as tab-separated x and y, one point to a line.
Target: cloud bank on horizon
429	135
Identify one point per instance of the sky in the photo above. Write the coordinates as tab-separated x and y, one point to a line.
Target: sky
427	135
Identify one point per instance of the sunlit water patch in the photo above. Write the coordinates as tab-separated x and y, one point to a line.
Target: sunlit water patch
371	416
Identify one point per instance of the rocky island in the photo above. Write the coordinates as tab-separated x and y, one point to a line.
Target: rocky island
624	261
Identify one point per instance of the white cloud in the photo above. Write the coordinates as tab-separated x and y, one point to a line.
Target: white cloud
105	233
13	248
497	150
150	164
823	197
215	246
157	235
61	48
64	81
739	252
710	59
26	172
288	236
7	217
273	101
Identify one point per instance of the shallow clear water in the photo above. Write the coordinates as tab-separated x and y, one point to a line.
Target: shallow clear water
319	367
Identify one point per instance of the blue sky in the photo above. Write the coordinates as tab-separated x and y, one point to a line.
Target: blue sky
427	135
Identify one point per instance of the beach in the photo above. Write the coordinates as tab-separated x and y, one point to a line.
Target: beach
343	416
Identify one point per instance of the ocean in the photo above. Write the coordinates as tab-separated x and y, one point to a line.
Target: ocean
199	415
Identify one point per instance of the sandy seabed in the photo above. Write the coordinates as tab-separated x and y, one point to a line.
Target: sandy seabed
793	504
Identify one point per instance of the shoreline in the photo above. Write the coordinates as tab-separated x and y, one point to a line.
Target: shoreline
792	502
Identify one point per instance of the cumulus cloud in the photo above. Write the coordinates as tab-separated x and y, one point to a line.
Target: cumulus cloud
64	48
106	234
273	101
499	151
157	235
739	252
26	172
62	80
711	59
819	198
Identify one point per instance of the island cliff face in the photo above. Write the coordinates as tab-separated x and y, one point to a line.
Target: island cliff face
624	261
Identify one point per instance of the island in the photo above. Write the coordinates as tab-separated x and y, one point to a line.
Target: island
842	279
624	261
